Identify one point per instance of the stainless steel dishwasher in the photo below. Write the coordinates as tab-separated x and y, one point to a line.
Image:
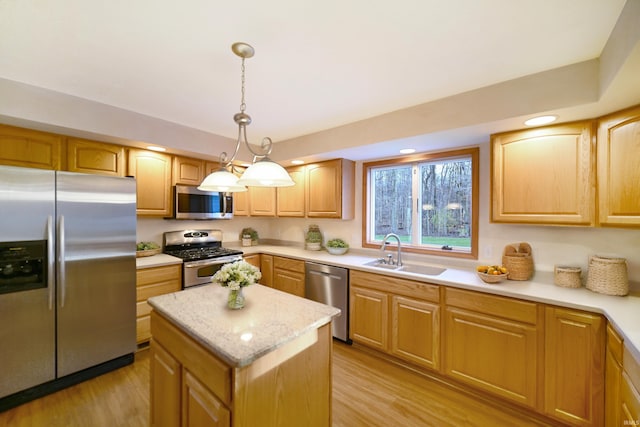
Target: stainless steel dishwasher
330	285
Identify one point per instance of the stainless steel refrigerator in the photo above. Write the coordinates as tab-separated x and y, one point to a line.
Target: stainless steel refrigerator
67	279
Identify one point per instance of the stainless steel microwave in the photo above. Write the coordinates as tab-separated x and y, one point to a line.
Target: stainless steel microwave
191	203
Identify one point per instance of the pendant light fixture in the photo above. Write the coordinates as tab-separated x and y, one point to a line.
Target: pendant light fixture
263	172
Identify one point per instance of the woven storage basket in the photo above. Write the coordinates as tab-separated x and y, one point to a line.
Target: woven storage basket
608	276
567	277
518	259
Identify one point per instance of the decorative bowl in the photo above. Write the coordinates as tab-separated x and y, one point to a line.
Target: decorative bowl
337	251
492	278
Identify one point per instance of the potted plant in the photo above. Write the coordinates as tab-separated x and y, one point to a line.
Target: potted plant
313	238
337	246
249	233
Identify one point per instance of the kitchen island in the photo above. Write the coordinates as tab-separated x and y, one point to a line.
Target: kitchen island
267	364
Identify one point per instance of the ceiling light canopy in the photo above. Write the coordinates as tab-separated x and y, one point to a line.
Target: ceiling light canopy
263	172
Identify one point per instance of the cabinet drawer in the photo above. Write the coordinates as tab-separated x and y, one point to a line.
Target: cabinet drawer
507	308
143	309
145	292
411	288
288	264
614	344
146	276
143	329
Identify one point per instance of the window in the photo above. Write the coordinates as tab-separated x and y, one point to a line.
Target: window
430	201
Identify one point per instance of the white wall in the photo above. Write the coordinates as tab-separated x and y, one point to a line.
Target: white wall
551	245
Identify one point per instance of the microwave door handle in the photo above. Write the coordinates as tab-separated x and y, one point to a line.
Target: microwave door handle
224	204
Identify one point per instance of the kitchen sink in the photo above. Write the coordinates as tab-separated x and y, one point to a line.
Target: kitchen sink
427	270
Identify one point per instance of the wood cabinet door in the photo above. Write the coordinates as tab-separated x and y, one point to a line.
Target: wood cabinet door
369	317
613	378
253	259
166	379
619	168
415	331
241	204
188	171
330	189
152	172
492	353
289	281
574	366
30	148
262	201
291	200
200	407
95	157
266	268
544	175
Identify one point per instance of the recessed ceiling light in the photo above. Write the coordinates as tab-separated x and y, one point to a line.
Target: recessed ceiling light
156	148
408	150
541	120
297	162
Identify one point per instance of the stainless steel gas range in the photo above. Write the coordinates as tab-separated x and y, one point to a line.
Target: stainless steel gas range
201	252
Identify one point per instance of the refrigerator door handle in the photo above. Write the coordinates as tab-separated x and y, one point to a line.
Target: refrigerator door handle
50	260
61	264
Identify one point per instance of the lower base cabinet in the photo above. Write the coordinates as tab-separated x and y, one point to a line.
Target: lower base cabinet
151	282
191	386
574	366
545	359
622	398
288	275
493	343
386	315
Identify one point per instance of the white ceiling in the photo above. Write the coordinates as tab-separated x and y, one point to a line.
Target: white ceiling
318	64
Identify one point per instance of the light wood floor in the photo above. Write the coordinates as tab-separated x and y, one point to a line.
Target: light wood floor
367	392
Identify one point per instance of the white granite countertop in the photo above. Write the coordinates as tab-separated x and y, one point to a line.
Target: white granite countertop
269	319
622	312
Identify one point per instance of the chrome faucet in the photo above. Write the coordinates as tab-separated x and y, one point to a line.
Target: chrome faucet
384	245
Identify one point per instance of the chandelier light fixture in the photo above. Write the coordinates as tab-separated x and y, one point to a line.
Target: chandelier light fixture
263	172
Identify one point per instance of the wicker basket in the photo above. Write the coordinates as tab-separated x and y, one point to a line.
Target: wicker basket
518	259
567	277
148	252
608	276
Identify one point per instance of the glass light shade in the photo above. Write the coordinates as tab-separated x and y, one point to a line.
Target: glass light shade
222	180
265	173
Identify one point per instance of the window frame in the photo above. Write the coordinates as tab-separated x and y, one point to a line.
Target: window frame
473	153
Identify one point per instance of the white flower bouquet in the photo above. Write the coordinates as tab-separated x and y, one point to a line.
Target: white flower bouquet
237	275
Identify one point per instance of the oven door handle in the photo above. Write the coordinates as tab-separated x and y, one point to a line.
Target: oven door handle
210	261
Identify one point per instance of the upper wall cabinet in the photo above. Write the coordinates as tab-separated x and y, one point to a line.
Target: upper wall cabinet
188	171
330	189
30	148
291	200
619	168
95	157
152	171
545	175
